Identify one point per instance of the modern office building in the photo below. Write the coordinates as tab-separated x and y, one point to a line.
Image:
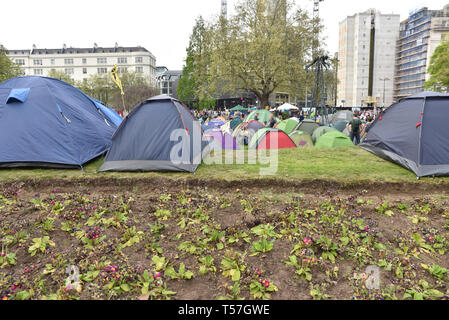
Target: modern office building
80	63
419	36
366	59
167	80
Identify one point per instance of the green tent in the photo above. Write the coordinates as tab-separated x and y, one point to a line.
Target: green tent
308	126
301	139
288	126
333	139
263	115
235	122
321	131
239	108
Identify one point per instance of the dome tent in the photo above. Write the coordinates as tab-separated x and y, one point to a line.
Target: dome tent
321	131
301	139
333	139
143	142
340	126
267	138
262	115
221	140
235	122
341	116
288	125
308	126
413	133
48	123
245	131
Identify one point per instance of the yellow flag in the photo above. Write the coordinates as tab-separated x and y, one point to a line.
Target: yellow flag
116	79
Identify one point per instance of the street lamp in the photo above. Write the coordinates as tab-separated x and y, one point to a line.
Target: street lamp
384	80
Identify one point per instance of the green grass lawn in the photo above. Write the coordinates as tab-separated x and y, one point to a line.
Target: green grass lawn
347	165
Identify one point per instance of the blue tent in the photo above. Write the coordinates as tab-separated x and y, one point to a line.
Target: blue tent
158	135
413	133
45	122
214	124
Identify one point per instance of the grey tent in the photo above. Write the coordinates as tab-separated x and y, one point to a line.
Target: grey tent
308	126
413	133
158	135
341	116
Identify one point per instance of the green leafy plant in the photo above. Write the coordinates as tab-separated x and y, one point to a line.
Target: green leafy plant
181	274
233	292
40	244
329	248
262	289
303	271
262	246
232	265
207	265
7	259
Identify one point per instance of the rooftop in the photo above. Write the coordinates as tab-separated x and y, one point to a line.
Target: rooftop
71	50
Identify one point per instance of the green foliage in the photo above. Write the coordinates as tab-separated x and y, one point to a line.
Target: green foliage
259	49
194	74
40	244
439	69
102	88
261	290
181	274
8	69
232	265
61	75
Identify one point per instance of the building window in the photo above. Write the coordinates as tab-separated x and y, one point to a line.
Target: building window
139	69
122	69
38	72
68	61
20	62
68	70
102	60
37	62
84	60
122	60
84	70
52	61
102	70
139	60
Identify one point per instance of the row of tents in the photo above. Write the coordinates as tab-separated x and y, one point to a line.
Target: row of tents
47	123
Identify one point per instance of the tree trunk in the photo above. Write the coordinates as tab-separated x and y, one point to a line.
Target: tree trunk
264	100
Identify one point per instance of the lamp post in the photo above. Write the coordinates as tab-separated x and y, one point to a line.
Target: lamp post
384	80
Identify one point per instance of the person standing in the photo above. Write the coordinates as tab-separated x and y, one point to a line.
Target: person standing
272	122
354	129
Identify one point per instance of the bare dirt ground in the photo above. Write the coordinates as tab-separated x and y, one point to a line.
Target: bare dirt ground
194	239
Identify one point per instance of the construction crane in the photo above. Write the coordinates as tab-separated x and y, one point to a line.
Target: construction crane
316	22
316	9
224	8
319	64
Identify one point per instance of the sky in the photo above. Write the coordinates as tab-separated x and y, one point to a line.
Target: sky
161	26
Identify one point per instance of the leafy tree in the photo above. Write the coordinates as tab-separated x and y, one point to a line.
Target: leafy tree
134	95
439	69
97	86
8	69
102	88
61	75
192	87
262	49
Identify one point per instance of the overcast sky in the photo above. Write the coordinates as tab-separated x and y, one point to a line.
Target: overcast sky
161	26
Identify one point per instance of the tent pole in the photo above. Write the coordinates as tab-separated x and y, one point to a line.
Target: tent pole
123	101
